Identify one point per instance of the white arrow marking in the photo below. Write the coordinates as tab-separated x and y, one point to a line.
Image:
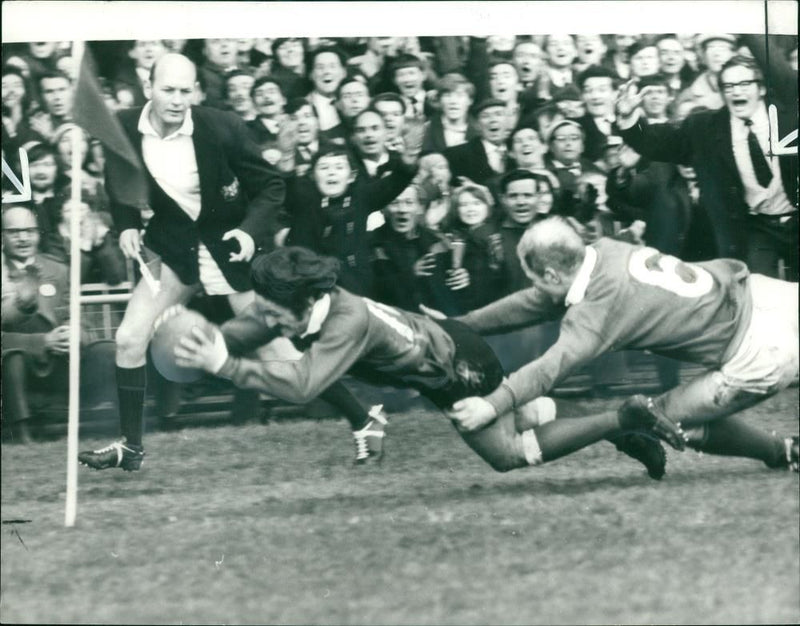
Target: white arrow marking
779	146
23	187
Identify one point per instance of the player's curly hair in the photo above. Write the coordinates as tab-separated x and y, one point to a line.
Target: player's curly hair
292	275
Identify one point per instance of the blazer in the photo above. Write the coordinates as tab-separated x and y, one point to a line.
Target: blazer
704	141
238	189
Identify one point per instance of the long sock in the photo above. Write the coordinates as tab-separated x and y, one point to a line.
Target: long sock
564	436
130	387
340	397
733	436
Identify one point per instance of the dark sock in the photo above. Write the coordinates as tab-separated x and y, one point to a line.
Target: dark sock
130	387
564	436
340	397
733	436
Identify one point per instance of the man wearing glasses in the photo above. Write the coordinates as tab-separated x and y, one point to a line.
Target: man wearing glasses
750	194
35	330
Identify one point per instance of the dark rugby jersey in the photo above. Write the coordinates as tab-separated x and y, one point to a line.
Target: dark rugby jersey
405	347
635	299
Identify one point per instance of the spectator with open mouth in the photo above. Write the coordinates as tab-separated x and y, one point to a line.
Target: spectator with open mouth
715	50
327	71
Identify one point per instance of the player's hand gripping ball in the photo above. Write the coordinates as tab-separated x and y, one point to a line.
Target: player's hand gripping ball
173	324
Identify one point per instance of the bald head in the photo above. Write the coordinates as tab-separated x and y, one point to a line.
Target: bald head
172	64
551	244
173	88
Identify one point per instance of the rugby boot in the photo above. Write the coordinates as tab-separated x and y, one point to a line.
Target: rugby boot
644	448
369	440
640	412
120	454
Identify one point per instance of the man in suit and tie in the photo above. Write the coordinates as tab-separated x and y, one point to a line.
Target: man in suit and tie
750	195
483	159
408	75
269	101
213	200
327	70
35	330
565	160
597	87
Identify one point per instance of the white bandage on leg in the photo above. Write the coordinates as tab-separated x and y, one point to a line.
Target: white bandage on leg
535	413
546	408
530	446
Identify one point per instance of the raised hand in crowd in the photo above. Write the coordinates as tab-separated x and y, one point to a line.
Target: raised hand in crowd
629	98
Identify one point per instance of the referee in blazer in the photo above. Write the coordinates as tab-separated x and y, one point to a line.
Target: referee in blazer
213	200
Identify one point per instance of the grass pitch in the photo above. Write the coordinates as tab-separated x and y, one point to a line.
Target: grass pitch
272	524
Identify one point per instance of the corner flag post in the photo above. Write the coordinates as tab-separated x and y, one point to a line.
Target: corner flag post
70	511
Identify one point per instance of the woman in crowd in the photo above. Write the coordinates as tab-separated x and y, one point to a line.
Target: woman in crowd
476	274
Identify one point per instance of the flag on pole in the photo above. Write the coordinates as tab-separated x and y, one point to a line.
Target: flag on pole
124	170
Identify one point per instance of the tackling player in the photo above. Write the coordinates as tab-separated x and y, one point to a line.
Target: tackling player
615	296
297	296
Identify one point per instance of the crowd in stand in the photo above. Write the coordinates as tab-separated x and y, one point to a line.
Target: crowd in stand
510	129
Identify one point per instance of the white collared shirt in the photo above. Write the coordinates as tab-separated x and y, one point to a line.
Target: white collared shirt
172	162
560	77
454	135
604	124
319	313
577	291
415	109
21	265
771	200
40	196
496	156
326	111
372	165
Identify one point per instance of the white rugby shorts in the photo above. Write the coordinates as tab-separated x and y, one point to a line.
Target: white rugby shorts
767	359
211	277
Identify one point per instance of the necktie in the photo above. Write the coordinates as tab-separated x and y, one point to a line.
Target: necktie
414	106
760	165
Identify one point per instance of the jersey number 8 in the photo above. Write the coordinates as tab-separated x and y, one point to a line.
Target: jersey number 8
649	266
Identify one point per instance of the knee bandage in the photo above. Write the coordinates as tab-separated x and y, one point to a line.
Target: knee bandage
530	446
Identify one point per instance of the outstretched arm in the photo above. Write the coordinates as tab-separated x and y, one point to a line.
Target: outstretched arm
526	307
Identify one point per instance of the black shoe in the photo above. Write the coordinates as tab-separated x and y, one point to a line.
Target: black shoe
118	454
646	449
639	412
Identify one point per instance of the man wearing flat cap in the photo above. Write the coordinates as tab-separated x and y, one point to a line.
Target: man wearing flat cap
483	159
715	50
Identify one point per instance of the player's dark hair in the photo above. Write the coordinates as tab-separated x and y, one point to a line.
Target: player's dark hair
291	276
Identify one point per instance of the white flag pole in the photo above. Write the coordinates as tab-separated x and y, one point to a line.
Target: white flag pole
71	507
